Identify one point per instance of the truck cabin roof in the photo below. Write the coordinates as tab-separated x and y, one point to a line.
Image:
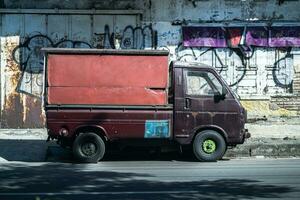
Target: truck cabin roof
181	64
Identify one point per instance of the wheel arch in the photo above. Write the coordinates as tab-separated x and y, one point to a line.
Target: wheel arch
218	129
99	130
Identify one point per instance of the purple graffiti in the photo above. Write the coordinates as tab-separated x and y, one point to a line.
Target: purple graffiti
233	37
203	37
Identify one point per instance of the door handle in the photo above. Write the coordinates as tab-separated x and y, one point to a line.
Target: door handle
188	102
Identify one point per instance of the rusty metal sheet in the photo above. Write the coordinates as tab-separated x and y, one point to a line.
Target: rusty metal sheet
17	109
11	101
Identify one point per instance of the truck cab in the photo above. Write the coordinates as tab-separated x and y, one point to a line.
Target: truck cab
203	100
200	110
206	111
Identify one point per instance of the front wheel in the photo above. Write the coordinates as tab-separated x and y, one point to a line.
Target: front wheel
88	148
209	145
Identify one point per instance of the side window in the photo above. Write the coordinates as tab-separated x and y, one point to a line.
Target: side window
202	84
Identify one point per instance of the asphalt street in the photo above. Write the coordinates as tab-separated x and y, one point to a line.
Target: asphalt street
149	179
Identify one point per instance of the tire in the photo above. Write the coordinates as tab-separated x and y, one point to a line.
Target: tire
209	146
88	148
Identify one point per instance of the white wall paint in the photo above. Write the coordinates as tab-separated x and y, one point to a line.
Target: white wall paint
258	80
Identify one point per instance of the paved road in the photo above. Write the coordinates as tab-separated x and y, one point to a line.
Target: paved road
231	179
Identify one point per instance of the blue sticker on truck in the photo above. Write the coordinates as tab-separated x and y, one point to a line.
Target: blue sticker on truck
157	129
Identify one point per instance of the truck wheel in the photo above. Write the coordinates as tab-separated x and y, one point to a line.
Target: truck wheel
88	148
209	145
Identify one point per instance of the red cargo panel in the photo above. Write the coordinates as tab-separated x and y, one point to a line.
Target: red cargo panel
106	96
107	70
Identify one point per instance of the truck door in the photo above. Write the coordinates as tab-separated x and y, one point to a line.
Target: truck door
203	105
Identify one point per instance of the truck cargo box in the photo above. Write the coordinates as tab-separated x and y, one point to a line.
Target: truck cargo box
106	77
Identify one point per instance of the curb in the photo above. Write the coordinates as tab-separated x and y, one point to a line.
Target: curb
267	147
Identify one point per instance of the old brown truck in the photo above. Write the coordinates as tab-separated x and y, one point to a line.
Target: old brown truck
94	98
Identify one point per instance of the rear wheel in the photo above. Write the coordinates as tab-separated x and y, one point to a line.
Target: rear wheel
88	148
209	145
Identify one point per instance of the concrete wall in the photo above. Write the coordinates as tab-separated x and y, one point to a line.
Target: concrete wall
144	24
168	10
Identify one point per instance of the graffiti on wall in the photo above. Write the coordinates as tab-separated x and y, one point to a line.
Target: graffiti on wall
196	53
263	36
242	43
280	76
131	38
30	59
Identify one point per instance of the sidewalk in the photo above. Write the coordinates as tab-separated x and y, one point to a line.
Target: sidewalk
272	138
23	145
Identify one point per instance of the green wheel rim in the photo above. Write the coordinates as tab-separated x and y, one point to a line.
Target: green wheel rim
209	146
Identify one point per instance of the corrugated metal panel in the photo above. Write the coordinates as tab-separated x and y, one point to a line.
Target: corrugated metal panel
22	37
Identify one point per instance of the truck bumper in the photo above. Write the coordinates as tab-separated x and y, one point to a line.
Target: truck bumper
247	134
244	134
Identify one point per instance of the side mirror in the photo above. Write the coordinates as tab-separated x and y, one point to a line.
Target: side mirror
219	97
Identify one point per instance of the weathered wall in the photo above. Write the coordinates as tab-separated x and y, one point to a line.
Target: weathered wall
169	10
268	72
71	4
23	36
